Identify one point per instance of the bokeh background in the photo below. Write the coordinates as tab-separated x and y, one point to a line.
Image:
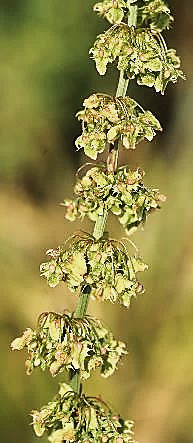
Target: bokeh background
45	73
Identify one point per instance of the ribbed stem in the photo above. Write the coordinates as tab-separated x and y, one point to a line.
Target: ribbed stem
100	225
122	85
83	302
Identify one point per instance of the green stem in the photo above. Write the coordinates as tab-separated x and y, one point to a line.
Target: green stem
122	85
83	302
75	381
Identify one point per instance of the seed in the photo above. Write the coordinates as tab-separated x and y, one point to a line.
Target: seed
78	346
52	267
131	128
101	53
142	57
82	207
103	350
98	256
167	73
131	181
115	417
139	287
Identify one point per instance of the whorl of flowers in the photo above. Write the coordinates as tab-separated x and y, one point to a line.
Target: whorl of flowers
151	13
63	342
140	54
102	266
77	418
123	193
106	119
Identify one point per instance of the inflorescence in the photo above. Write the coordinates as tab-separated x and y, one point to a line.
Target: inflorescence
94	265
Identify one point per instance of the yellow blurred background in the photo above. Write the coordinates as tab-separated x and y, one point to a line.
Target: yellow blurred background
45	74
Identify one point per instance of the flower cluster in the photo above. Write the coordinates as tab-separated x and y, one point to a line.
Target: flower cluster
64	342
140	53
104	267
149	13
77	418
106	119
122	193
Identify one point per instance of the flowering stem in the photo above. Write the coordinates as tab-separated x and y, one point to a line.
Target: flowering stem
100	224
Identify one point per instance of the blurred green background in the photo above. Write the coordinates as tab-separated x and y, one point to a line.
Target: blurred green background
45	73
